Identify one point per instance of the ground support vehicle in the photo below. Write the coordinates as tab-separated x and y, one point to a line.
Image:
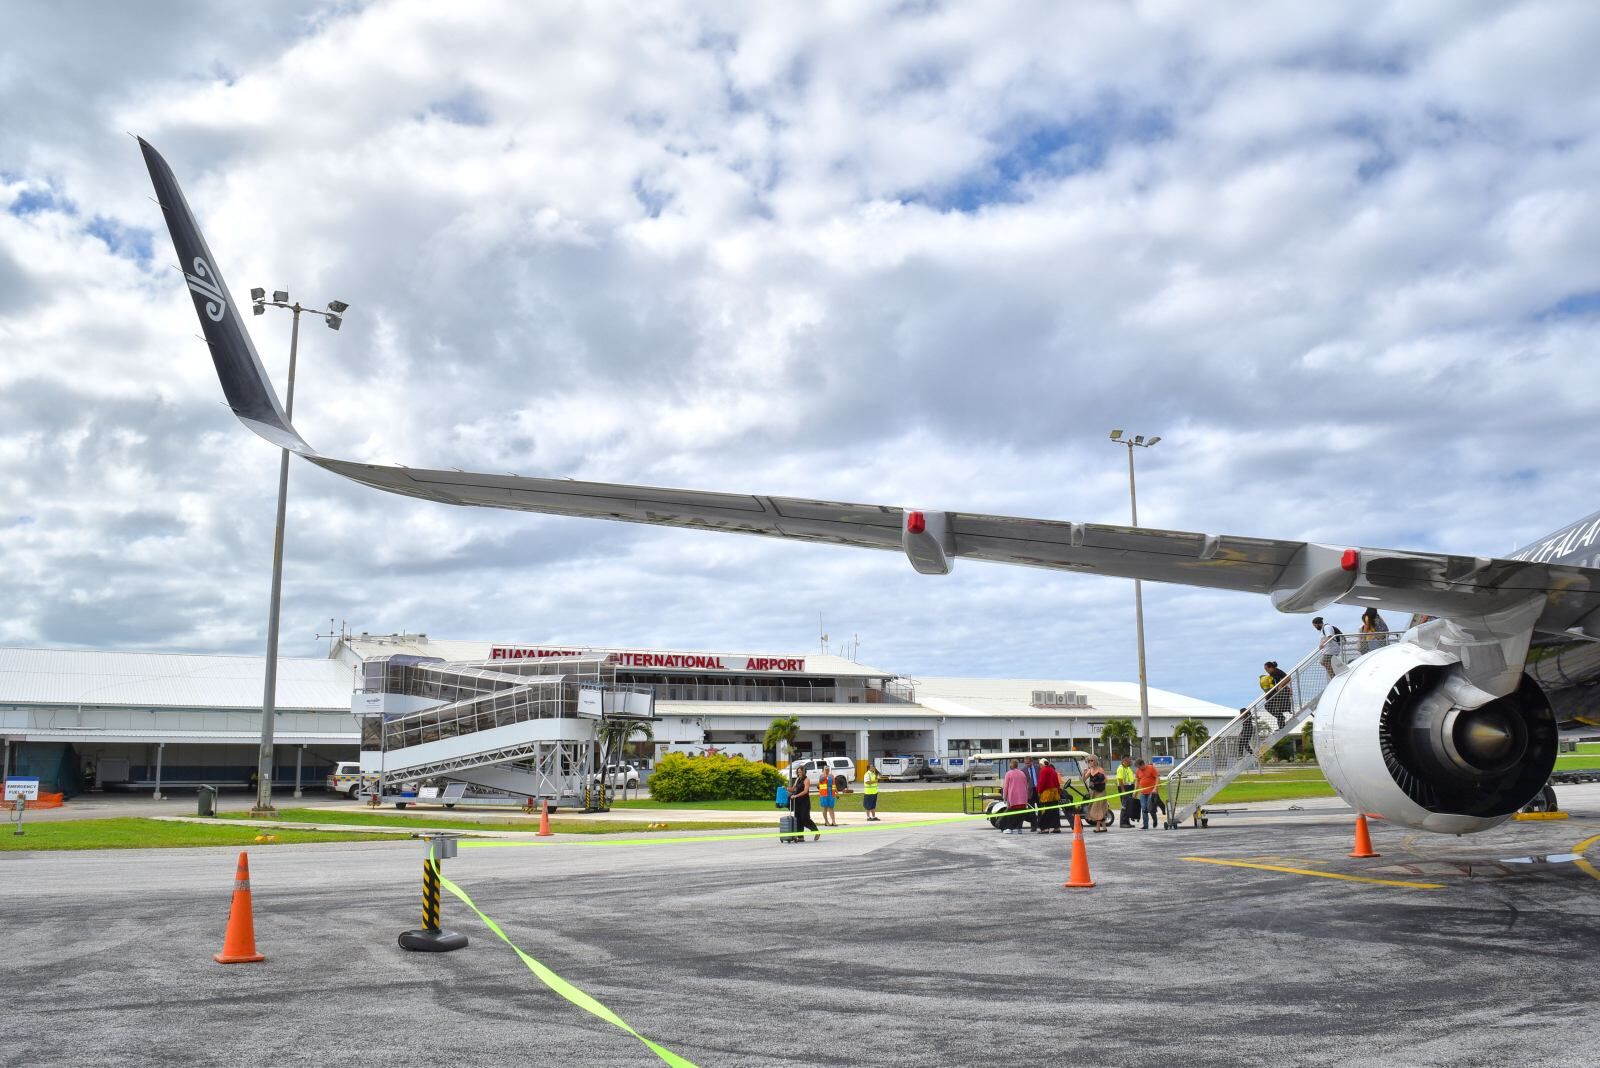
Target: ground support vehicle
900	768
347	778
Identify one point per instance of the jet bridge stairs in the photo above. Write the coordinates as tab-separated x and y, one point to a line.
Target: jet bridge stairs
526	729
1277	714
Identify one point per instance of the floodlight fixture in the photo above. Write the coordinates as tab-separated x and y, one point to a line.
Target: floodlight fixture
1138	439
281	296
337	306
1116	435
258	293
333	321
1153	440
257	308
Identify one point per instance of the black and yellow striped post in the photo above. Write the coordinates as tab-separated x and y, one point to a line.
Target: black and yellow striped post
431	938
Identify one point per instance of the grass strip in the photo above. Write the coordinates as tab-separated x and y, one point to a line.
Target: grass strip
500	823
136	833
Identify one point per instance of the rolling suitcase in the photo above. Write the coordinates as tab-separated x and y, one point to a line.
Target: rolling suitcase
786	828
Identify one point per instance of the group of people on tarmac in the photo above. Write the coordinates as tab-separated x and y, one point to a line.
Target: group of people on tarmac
827	790
1032	793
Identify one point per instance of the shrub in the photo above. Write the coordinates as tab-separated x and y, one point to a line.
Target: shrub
715	777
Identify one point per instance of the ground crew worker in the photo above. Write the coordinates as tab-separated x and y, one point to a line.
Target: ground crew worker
1124	787
828	797
869	794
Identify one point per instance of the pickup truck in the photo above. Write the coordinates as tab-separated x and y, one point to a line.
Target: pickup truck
347	778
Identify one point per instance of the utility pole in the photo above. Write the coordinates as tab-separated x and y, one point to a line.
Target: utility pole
269	698
1138	594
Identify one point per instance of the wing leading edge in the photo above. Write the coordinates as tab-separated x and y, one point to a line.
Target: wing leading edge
1298	576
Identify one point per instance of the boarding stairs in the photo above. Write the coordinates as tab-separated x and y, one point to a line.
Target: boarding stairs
524	735
1275	715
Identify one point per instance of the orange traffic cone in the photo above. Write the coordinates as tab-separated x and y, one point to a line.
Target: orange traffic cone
544	820
1078	874
239	944
1363	839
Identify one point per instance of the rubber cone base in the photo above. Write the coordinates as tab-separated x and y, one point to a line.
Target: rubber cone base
245	958
433	941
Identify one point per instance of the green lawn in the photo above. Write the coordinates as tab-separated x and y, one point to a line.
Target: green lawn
1580	759
132	833
366	818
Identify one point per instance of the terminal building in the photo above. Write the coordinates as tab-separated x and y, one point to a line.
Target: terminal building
149	721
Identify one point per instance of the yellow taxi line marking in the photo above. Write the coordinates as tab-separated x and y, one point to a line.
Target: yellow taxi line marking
1317	874
1583	864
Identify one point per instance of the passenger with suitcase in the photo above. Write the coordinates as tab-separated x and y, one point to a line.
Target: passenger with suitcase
800	799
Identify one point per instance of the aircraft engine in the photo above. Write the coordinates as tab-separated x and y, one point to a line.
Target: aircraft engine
1402	733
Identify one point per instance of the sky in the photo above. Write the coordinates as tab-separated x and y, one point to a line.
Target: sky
1338	256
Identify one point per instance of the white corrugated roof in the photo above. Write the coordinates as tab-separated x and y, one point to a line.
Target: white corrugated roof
1013	697
168	680
420	645
179	736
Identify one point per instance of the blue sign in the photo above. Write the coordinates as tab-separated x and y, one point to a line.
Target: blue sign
1163	761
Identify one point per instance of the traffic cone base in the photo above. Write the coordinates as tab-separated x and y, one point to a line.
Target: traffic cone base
1078	874
1363	847
544	820
239	943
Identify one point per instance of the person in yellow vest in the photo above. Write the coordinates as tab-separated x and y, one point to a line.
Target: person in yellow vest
869	794
828	797
1124	784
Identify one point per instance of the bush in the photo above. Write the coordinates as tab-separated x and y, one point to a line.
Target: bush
715	777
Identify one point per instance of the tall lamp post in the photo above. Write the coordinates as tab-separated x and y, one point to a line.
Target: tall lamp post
333	317
1141	442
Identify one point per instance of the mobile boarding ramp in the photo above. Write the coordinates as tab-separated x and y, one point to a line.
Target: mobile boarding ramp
1275	715
521	728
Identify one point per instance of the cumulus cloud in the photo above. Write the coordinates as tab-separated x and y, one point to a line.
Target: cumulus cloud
899	253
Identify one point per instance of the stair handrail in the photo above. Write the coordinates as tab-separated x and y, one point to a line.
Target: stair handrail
1303	685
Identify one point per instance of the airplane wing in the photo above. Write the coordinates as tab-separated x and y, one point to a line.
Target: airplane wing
1298	576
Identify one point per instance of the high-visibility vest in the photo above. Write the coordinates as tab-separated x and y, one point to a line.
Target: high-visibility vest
825	784
869	782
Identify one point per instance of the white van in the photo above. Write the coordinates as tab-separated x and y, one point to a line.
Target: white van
814	767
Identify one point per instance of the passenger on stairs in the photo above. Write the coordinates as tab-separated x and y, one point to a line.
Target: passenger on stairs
1280	696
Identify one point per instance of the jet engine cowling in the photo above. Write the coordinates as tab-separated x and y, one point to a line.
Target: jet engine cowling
1402	733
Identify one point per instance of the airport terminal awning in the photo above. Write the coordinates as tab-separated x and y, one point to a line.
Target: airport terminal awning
178	737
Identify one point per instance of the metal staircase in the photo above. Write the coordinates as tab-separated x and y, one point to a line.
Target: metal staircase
524	729
1274	716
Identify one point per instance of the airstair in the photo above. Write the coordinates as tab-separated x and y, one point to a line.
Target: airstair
1275	715
524	728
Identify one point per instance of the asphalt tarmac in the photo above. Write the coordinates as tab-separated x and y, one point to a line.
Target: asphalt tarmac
893	945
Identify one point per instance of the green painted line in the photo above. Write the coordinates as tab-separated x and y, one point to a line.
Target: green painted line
741	836
566	989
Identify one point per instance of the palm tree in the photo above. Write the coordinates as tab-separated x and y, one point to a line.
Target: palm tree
1118	730
614	737
781	733
1308	742
1191	732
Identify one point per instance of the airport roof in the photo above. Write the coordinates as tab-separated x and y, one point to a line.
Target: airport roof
821	664
167	680
1014	698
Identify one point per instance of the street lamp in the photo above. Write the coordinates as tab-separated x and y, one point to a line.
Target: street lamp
269	699
1141	442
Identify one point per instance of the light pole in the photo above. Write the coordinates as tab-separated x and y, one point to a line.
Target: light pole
1141	442
269	698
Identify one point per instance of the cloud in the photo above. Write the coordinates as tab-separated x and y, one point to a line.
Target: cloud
923	254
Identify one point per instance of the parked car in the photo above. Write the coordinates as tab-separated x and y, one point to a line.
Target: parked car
843	769
619	776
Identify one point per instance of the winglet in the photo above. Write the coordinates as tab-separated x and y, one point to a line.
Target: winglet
244	381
